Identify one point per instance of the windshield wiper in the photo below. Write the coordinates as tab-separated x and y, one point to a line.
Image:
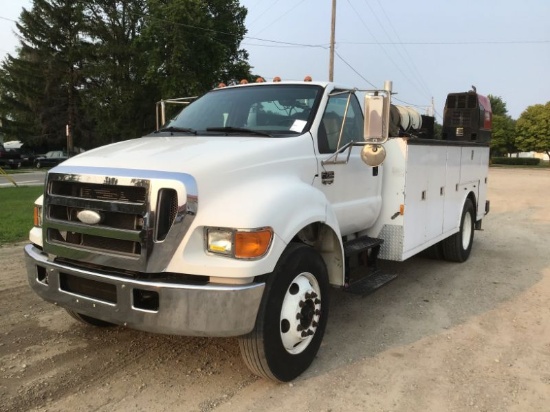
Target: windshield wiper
173	129
230	129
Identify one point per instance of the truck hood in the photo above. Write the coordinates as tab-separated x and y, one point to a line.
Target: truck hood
195	154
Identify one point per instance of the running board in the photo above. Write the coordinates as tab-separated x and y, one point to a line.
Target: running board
369	284
361	244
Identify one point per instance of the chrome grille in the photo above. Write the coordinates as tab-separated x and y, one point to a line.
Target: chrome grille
110	192
123	210
140	220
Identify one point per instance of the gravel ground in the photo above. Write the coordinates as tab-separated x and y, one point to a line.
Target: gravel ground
442	337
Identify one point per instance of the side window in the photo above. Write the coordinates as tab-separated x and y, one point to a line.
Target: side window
333	121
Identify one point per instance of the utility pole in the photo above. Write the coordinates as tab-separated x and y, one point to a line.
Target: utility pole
332	35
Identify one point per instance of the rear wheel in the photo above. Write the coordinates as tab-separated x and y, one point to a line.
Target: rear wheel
457	248
88	320
292	317
434	252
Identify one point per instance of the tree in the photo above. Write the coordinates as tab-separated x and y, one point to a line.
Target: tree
503	136
99	66
533	129
498	106
194	44
40	87
117	97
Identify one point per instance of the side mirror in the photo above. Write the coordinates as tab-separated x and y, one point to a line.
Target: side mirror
375	130
377	115
376	119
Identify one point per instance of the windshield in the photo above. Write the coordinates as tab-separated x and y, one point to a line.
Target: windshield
271	110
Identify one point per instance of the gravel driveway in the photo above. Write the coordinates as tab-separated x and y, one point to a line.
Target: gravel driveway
442	337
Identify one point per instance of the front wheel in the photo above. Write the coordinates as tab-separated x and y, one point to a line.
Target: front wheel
457	248
292	316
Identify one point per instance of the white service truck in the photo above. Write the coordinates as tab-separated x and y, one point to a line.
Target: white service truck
238	215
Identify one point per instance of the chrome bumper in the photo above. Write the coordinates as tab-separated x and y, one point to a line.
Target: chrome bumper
180	309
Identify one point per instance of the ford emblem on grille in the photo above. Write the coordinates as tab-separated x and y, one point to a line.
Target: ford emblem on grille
90	217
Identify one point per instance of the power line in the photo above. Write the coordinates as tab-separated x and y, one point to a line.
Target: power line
269	7
281	16
384	50
5	18
409	61
446	43
326	46
452	43
352	68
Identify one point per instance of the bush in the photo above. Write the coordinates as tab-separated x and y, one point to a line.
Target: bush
524	161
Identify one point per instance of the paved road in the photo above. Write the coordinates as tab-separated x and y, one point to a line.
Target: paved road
32	178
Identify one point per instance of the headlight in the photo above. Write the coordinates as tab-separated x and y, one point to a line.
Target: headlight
240	244
219	241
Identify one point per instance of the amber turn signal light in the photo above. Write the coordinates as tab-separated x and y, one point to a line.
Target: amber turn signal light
250	245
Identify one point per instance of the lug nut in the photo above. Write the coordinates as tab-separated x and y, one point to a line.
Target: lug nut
313	294
299	328
299	316
310	332
317	301
304	334
317	312
314	324
301	304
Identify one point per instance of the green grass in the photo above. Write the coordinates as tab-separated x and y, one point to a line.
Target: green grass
16	212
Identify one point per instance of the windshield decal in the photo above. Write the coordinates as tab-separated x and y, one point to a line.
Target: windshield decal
298	125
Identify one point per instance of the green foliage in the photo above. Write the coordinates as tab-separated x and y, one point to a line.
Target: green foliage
498	106
438	131
524	161
99	66
533	129
117	98
16	212
193	44
39	86
503	135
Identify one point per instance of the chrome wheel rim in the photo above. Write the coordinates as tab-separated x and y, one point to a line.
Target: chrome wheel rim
300	313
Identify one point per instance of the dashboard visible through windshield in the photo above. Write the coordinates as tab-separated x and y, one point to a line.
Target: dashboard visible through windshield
257	110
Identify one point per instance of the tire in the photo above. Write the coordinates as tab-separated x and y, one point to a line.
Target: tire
434	252
88	320
457	248
292	316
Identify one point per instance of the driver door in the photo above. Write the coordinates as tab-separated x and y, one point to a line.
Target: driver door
352	188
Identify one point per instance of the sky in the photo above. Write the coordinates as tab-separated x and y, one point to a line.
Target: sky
427	48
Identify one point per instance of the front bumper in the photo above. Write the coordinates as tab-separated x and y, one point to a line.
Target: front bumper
180	309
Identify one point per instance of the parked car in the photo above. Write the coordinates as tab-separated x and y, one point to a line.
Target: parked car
9	158
27	158
50	159
20	158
